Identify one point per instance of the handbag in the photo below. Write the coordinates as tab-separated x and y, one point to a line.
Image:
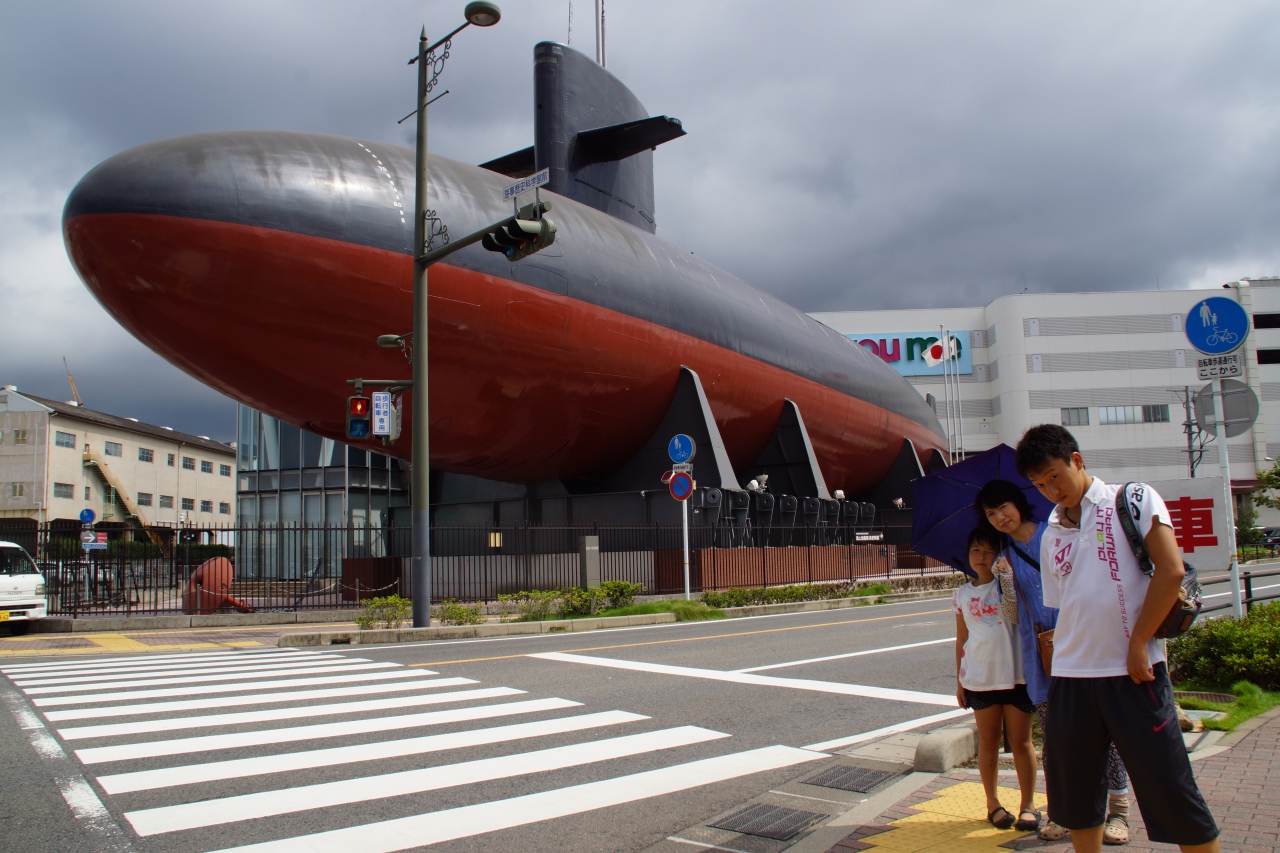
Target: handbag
1044	639
1187	607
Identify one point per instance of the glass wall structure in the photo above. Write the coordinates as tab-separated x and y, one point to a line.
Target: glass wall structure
291	483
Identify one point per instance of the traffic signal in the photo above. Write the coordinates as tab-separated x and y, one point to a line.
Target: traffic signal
523	234
358	415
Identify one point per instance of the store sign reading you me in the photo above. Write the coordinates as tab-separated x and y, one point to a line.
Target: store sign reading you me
920	353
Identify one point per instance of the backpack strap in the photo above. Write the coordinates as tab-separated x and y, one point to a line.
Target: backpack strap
1024	555
1131	531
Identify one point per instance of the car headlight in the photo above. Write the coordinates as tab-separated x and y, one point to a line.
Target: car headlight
40	588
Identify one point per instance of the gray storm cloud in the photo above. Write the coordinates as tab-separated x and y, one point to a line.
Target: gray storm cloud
841	156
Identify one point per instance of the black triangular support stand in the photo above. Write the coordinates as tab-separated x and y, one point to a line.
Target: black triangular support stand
898	482
789	459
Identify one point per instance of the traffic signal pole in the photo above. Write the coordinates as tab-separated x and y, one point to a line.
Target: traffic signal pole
420	466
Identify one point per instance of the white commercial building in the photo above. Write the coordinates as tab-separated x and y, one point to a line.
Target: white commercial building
1110	366
57	459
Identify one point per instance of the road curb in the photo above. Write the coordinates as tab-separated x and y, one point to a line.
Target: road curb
467	632
833	603
116	624
945	748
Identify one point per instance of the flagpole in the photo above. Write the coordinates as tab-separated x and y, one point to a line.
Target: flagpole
955	371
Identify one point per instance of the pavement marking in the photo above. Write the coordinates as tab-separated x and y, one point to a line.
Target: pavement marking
953	819
144	780
151	660
867	691
237	740
468	821
199	679
727	636
847	655
905	726
43	680
253	699
262	804
205	689
228	644
704	845
190	662
170	724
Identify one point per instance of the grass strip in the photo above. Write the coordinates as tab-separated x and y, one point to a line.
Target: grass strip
1251	700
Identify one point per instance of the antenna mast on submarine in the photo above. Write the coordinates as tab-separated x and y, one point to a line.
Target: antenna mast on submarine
600	54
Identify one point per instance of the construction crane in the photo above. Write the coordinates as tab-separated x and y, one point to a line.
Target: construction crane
74	392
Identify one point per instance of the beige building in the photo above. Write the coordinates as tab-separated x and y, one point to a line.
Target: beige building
57	459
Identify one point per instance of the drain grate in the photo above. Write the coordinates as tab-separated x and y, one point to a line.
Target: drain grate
768	821
846	778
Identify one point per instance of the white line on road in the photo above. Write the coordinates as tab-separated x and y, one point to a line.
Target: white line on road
145	780
99	678
169	724
759	680
200	679
103	667
467	821
150	658
894	729
325	794
1255	589
237	740
252	699
847	655
205	689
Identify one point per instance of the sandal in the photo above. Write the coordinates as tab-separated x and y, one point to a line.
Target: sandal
1053	832
1116	831
1025	825
1004	822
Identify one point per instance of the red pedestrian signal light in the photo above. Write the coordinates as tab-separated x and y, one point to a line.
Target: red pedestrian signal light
357	417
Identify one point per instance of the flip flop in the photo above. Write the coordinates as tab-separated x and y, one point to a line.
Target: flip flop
1004	822
1028	825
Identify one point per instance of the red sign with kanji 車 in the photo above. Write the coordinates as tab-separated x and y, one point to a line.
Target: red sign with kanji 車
1192	522
1198	516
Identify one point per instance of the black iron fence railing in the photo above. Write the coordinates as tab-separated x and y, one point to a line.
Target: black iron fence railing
305	567
1248	583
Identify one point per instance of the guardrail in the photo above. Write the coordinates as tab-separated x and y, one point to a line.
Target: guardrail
1247	578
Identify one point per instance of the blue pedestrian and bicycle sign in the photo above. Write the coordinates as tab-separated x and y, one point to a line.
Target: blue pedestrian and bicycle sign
681	449
87	516
1217	325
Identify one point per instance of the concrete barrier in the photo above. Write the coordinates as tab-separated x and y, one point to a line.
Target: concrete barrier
948	747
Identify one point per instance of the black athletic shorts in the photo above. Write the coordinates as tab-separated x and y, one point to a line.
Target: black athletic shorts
1142	722
1015	696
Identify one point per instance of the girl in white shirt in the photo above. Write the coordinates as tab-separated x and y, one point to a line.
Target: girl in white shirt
991	681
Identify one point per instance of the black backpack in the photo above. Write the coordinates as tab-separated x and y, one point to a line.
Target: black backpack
1188	605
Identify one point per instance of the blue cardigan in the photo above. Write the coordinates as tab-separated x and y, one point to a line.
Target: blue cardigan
1031	610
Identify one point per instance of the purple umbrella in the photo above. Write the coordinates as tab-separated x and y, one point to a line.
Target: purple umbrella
943	504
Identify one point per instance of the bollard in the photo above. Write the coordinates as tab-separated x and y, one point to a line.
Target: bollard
1248	591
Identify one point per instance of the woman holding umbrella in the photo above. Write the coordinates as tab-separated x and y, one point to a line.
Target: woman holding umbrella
1005	507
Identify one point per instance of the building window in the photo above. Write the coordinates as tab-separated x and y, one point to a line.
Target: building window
144	499
64	439
1265	356
1155	414
188	463
224	470
224	508
114	448
87	492
188	503
206	506
107	499
19	436
1075	416
166	501
1266	321
206	467
1133	414
64	490
17	490
146	455
171	458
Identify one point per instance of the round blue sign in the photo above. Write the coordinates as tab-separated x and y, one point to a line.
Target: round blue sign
87	516
1217	325
681	486
681	449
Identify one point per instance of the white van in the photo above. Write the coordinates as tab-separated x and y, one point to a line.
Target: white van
21	589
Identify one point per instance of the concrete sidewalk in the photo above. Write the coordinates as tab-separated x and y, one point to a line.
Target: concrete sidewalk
137	641
1239	775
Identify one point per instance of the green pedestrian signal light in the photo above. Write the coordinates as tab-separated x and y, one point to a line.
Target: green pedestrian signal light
358	417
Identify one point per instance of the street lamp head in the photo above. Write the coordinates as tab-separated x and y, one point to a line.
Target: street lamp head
482	13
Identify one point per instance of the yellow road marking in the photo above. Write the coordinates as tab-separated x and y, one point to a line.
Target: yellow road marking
169	632
954	820
692	639
106	649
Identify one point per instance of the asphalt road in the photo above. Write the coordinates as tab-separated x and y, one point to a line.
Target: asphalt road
598	741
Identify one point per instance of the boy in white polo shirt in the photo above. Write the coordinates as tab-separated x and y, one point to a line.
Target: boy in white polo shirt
1109	678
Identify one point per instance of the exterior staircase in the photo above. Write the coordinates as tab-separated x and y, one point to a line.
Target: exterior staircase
92	459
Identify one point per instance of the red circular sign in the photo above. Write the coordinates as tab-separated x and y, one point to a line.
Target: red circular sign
681	486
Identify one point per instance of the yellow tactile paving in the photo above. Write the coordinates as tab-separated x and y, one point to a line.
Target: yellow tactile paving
955	819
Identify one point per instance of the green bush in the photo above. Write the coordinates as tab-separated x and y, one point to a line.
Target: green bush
388	611
450	612
619	593
740	597
685	611
533	606
1217	653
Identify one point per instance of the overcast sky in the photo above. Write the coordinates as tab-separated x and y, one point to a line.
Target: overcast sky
840	155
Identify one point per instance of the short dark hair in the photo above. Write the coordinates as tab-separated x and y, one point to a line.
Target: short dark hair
1000	492
1042	444
986	534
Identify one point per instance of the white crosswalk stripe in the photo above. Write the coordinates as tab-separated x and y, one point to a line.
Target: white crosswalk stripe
345	753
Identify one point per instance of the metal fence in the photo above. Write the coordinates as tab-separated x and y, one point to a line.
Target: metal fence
307	567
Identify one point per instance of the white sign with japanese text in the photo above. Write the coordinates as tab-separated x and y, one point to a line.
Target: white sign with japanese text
1199	520
1218	366
537	179
381	413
